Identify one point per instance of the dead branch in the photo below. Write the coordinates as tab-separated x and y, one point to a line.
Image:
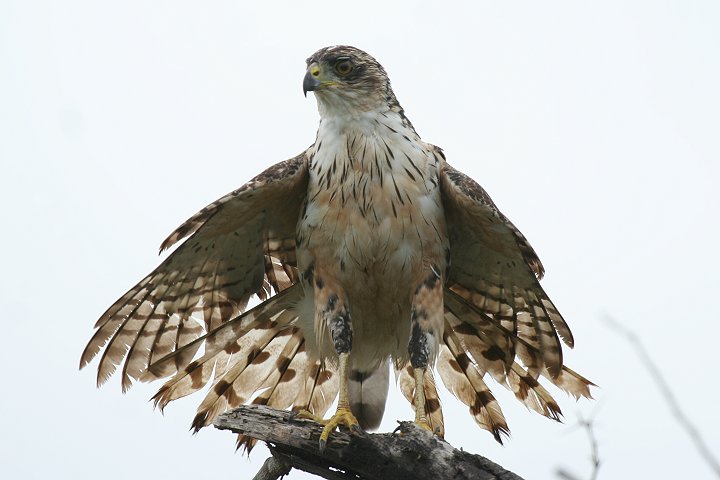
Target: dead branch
409	453
272	469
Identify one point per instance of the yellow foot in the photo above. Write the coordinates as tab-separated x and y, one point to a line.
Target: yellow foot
343	416
307	415
425	425
422	423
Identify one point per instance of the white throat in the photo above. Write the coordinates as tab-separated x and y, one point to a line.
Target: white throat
348	104
380	140
374	150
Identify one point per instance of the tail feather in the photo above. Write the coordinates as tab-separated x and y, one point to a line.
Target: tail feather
494	305
316	395
272	320
230	344
558	322
198	373
368	392
226	337
490	348
278	275
285	393
572	383
529	391
527	314
433	408
282	387
550	347
245	377
324	391
525	387
461	376
530	355
503	342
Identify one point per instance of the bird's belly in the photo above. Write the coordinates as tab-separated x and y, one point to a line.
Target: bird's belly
375	245
378	251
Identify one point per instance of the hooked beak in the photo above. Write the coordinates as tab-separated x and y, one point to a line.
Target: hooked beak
313	79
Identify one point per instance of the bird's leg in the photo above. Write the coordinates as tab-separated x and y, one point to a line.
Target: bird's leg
334	316
426	328
419	400
343	415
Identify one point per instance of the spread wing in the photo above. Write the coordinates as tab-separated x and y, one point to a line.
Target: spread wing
493	266
240	245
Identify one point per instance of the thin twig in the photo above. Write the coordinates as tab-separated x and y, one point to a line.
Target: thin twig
667	392
565	475
595	455
594	451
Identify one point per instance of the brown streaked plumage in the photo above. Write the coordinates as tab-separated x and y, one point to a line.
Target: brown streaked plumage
367	249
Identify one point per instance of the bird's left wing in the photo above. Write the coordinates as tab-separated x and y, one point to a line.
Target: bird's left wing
240	245
493	267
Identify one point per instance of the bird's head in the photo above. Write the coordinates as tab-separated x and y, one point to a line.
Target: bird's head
347	80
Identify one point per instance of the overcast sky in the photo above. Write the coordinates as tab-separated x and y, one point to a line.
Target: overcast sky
594	126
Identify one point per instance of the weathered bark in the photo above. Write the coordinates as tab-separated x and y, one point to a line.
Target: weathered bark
410	453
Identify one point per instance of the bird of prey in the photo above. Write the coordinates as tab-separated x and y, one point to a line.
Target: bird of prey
369	253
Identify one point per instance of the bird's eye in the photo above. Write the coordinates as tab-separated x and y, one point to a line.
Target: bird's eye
343	67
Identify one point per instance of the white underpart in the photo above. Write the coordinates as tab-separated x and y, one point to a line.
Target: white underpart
385	242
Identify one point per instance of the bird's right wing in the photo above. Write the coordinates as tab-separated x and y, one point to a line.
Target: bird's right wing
240	245
494	267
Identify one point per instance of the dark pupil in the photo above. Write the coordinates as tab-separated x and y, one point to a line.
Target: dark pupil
343	67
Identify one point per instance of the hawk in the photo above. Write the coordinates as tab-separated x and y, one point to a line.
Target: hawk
369	252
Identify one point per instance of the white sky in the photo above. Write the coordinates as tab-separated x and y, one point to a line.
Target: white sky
594	126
